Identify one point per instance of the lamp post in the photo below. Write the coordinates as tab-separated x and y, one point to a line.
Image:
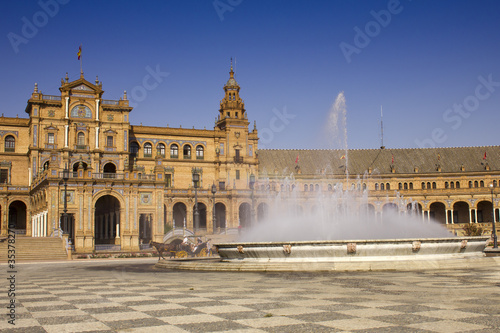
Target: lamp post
252	185
65	210
214	190
196	178
495	243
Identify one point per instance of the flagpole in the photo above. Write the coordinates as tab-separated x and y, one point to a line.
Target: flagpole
81	61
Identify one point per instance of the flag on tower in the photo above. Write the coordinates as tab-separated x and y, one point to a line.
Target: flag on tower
297	159
392	161
484	157
79	52
342	157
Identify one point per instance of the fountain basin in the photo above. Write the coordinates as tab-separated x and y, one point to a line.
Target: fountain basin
353	250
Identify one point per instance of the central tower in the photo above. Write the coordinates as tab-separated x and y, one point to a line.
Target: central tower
237	146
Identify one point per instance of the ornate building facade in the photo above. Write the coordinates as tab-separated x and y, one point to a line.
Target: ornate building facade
120	185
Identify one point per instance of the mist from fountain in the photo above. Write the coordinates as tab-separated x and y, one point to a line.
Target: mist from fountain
336	214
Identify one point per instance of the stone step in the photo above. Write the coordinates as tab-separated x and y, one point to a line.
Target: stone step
34	248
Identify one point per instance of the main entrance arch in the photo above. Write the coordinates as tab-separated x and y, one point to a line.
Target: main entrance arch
17	215
107	220
179	212
220	217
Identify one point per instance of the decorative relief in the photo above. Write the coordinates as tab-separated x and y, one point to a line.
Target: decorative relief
110	117
146	198
15	133
52	113
82	87
415	246
240	249
287	249
81	111
70	196
351	247
463	245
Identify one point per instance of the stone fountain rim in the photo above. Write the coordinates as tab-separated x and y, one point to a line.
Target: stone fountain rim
358	241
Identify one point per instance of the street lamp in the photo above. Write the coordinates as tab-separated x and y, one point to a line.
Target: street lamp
252	185
495	243
65	210
196	178
214	190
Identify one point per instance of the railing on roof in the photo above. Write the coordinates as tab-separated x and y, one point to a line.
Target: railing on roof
108	175
110	102
52	97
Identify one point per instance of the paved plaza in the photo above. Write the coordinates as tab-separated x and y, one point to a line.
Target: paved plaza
129	295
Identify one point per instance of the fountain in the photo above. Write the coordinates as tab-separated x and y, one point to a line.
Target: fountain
339	229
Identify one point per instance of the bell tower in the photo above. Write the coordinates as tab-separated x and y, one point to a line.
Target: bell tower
232	108
236	146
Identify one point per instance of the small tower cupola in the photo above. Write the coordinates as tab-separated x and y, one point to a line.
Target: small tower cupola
231	106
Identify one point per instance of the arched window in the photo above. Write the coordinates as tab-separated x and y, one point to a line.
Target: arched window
160	149
494	183
306	188
311	187
80	139
475	183
134	148
400	186
186	151
364	186
411	186
174	151
282	188
433	185
382	186
148	149
387	186
481	184
200	152
376	186
10	143
470	184
452	184
406	186
423	186
316	188
457	185
446	185
428	185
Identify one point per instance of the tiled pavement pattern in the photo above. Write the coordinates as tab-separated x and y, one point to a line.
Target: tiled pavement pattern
130	296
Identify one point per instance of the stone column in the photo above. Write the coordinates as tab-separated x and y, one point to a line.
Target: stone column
446	213
97	109
67	107
97	139
66	132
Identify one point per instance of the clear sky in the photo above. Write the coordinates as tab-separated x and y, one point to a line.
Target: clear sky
434	66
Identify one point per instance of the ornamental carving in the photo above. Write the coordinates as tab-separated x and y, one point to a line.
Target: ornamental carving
351	247
240	249
416	246
463	245
287	249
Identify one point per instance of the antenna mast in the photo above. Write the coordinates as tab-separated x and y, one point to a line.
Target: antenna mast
381	129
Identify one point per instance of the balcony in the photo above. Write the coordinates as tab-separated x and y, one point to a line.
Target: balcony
81	147
238	159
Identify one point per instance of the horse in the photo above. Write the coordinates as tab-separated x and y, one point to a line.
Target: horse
162	247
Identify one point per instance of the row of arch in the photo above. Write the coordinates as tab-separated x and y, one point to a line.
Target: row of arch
377	186
174	150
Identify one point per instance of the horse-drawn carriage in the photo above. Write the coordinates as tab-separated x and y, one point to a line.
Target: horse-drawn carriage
181	249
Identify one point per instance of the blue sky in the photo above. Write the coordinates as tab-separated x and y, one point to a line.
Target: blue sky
433	65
